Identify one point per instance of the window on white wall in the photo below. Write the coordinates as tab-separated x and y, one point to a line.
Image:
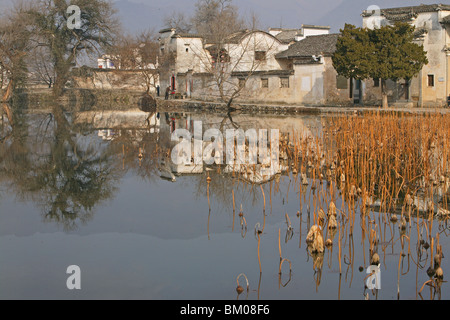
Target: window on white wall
242	83
264	83
284	82
431	80
260	55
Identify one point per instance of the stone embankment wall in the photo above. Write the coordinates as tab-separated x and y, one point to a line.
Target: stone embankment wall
81	99
111	79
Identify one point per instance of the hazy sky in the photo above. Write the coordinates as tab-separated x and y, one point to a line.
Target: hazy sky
138	15
272	13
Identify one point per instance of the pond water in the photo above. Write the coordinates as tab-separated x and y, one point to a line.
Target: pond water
93	190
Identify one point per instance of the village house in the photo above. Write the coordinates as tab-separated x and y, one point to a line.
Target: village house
178	57
189	63
431	86
278	66
294	66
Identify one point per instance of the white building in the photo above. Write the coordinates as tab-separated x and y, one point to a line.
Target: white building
432	22
105	62
190	65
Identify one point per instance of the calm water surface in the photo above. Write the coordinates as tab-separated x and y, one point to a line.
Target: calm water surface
74	191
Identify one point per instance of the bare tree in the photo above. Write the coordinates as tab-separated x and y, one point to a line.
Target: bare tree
14	45
147	62
40	66
216	19
140	54
232	59
179	21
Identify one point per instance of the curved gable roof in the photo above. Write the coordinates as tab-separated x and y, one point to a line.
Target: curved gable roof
407	12
239	36
312	45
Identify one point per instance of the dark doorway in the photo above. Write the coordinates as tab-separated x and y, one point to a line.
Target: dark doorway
173	83
403	90
357	92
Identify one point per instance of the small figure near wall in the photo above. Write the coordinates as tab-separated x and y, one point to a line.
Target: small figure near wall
167	93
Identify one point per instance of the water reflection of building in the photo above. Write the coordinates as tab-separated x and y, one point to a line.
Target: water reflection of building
108	134
120	120
179	121
142	130
112	125
257	173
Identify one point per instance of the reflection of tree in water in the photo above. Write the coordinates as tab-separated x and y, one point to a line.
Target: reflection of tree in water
140	151
74	178
13	151
223	182
59	169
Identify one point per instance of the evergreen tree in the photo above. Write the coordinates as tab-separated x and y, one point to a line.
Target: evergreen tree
388	52
353	53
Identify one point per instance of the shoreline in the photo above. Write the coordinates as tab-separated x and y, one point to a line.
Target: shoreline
76	100
197	105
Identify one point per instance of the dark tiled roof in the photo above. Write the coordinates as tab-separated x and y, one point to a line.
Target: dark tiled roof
237	36
306	61
288	35
233	38
312	45
420	33
186	35
313	26
446	20
406	12
263	73
167	30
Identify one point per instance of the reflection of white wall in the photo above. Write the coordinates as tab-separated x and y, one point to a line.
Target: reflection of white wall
187	169
114	120
107	134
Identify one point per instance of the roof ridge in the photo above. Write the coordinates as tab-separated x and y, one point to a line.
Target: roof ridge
411	9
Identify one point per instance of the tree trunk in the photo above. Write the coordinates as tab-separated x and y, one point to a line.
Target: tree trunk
8	112
62	76
229	103
384	95
5	98
58	86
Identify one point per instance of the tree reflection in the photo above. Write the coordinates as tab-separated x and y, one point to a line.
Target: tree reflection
65	172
